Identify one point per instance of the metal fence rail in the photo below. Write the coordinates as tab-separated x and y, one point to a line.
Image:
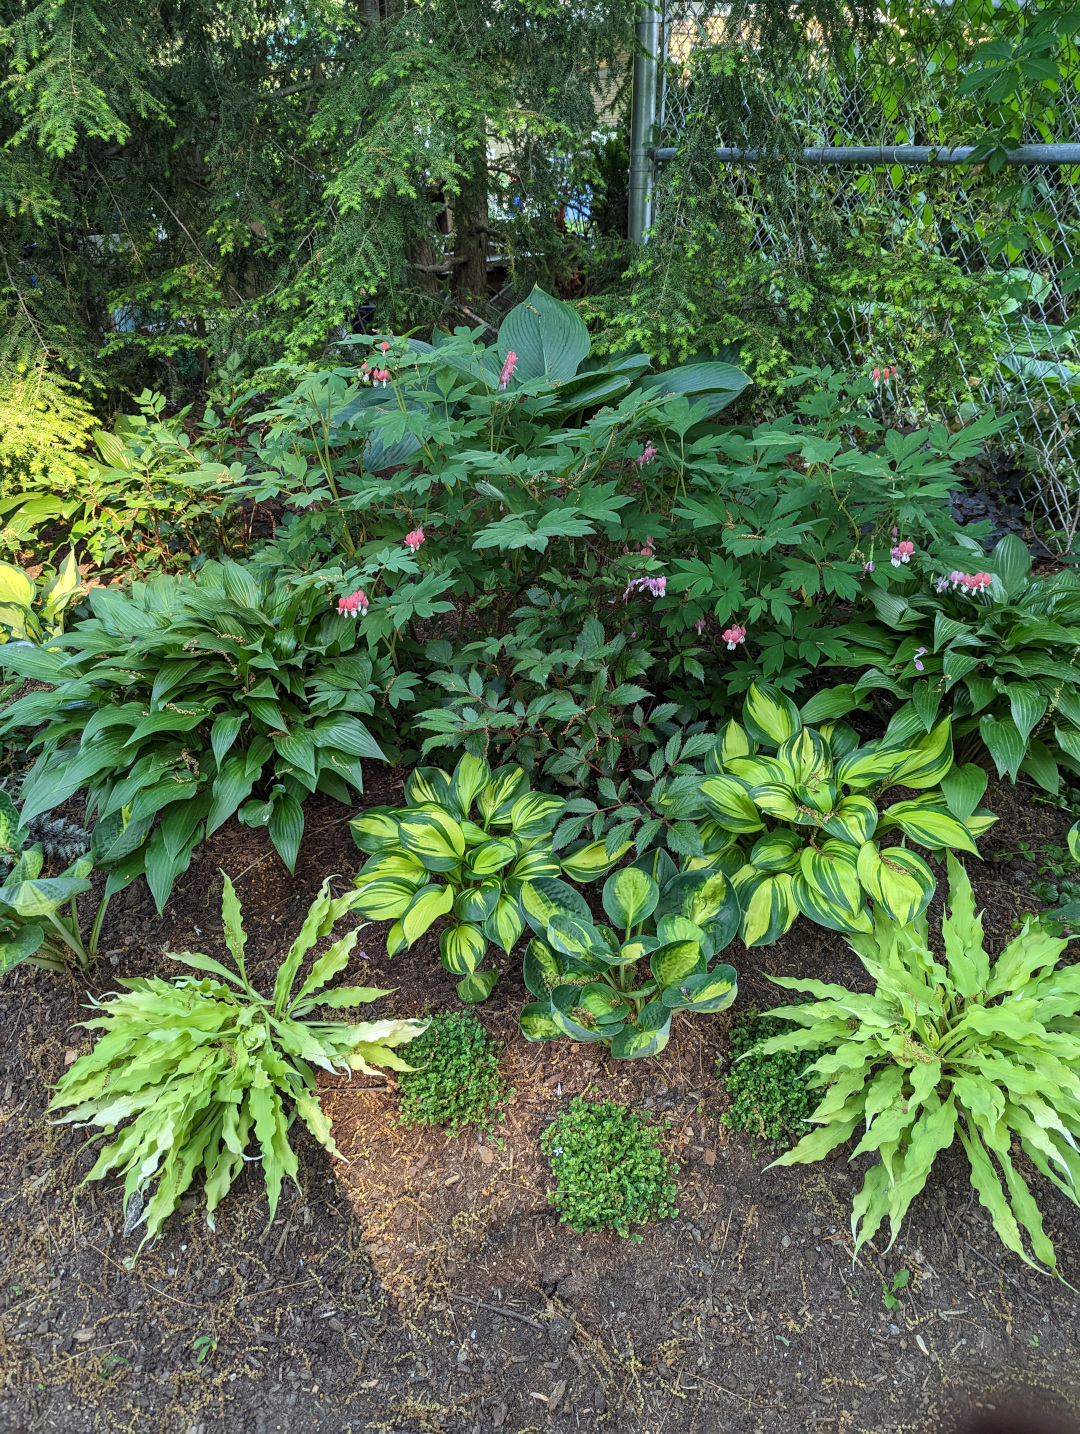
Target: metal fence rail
857	164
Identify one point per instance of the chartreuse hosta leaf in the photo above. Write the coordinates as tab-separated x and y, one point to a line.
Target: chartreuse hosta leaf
204	1068
469	845
802	809
963	1048
619	985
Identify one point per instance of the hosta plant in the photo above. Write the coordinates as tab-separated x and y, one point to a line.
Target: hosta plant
589	979
956	1047
1003	658
185	701
206	1066
797	817
464	846
39	915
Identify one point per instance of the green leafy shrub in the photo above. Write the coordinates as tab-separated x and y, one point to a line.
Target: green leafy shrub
962	1048
768	1095
455	1078
148	501
465	844
795	814
610	1170
187	701
587	977
202	1065
1003	659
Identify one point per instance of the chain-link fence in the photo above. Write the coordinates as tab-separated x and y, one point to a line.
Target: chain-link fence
867	150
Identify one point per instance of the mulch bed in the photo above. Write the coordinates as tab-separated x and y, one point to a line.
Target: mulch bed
424	1284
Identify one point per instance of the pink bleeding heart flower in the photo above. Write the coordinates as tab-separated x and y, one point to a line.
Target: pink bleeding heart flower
385	347
508	368
700	626
656	586
414	539
975	582
876	375
902	553
355	602
733	636
647	454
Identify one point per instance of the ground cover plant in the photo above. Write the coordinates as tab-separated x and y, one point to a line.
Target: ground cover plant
609	1167
454	1080
205	1065
769	1097
964	1048
587	976
467	843
186	701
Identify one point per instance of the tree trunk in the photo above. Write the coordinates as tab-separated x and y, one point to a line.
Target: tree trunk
471	229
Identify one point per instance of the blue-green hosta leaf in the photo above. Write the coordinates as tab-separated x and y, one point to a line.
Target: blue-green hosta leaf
630	896
537	1022
647	1037
704	992
542	968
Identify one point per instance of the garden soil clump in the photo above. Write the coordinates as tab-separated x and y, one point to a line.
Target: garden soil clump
425	1284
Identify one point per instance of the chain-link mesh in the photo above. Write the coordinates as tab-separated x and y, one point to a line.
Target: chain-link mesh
1019	228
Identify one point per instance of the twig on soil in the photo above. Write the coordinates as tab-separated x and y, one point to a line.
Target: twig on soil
501	1310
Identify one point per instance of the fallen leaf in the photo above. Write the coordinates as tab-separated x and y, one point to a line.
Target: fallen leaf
922	1345
83	1335
453	1180
70	1057
485	1154
556	1394
534	1395
710	1157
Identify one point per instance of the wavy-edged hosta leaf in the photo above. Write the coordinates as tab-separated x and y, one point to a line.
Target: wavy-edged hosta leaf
496	799
429	784
542	968
432	836
572	1019
769	715
462	946
928	826
779	850
476	903
854	819
386	898
671	963
505	924
425	908
728	800
768	905
897	879
592	859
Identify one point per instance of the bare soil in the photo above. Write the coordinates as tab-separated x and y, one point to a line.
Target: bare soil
425	1284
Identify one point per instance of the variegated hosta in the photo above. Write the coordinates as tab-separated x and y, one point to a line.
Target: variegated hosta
586	976
795	816
204	1065
961	1047
464	847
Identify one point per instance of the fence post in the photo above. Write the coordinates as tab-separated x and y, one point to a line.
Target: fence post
643	118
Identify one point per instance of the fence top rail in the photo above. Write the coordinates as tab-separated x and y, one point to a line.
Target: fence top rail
1048	154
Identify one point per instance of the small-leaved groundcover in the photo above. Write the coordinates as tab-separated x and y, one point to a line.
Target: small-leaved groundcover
964	1048
454	1080
610	1169
203	1066
768	1092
